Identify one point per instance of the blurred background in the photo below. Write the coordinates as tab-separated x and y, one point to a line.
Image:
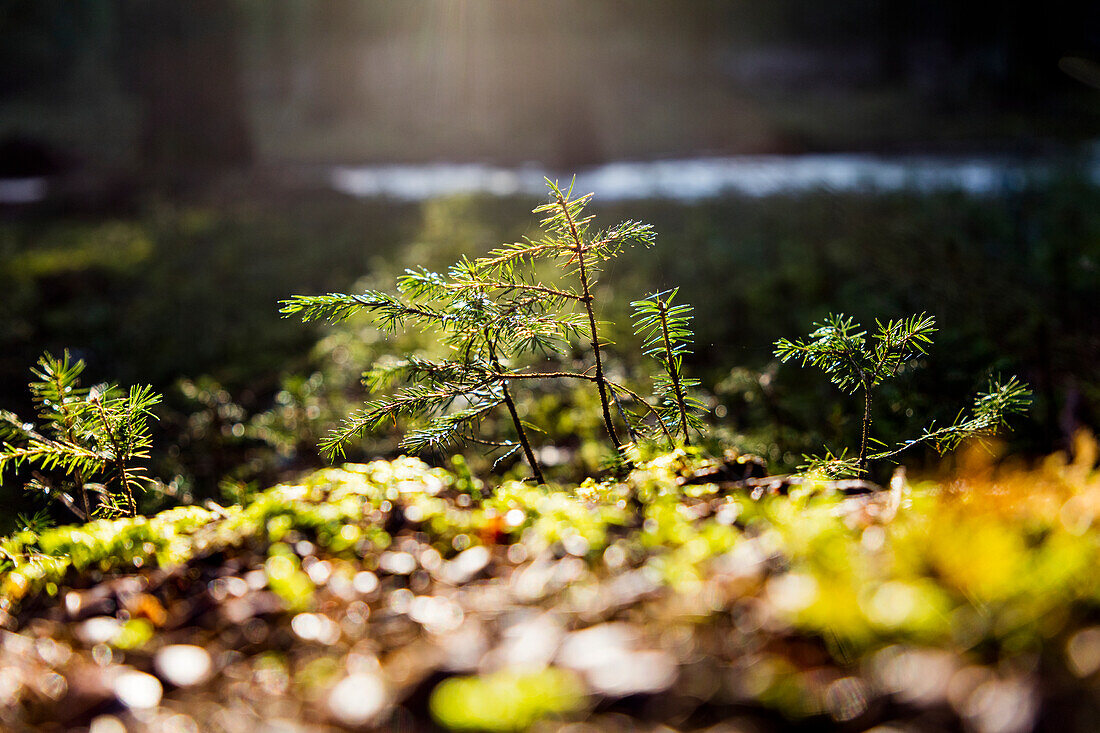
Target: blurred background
169	171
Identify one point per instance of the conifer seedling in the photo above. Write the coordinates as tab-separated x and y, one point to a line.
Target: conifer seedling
839	346
667	336
89	440
492	312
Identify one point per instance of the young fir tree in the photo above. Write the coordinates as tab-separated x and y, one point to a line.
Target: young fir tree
492	312
90	440
666	332
840	348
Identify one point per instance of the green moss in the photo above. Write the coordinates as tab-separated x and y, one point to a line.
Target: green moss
134	634
1006	559
506	701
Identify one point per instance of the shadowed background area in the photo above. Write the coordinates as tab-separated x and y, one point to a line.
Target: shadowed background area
169	170
151	84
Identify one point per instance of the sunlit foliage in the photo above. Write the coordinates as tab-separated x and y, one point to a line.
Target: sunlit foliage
854	363
493	312
91	440
667	336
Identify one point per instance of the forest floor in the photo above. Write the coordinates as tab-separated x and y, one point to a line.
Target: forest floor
396	595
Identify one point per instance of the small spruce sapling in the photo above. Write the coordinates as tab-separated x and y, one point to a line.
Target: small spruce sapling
840	348
666	333
491	312
90	440
579	251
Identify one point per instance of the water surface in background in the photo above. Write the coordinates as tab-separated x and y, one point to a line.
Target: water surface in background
684	179
23	190
692	179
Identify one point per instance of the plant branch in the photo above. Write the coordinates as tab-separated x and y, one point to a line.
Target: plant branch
528	287
67	421
866	428
520	431
650	408
120	457
587	299
673	372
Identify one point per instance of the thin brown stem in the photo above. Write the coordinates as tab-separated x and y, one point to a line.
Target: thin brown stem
547	375
67	421
120	459
61	496
127	486
83	493
673	372
866	425
564	294
652	410
866	410
536	470
587	299
520	430
591	378
409	310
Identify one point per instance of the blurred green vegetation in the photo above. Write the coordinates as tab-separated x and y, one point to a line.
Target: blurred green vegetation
506	700
985	576
188	292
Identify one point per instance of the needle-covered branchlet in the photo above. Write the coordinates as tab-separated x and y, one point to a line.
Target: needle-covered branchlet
665	327
839	346
88	440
